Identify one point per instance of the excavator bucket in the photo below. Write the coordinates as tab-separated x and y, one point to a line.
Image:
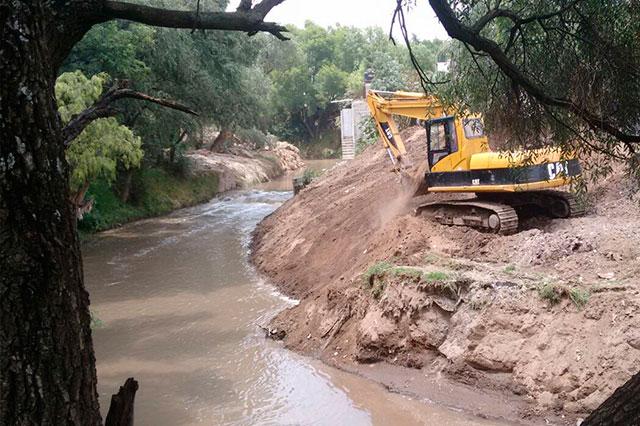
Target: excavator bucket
422	188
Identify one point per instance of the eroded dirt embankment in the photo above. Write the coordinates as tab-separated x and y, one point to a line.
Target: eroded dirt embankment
549	318
243	167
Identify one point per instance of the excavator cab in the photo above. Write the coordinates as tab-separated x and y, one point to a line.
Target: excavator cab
441	139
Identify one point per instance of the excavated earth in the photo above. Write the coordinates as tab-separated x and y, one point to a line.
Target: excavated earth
538	326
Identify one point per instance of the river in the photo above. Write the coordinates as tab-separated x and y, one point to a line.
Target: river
177	306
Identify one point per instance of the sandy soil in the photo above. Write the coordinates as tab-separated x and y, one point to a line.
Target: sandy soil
243	167
548	318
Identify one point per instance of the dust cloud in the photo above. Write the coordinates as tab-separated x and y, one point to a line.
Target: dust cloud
406	186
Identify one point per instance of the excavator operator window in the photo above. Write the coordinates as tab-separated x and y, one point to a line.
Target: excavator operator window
441	136
473	128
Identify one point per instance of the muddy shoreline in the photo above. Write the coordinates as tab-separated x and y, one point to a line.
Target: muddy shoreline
544	320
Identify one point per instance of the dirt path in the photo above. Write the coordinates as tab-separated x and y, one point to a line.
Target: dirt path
548	318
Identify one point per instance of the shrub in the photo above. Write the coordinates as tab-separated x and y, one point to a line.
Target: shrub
579	297
550	292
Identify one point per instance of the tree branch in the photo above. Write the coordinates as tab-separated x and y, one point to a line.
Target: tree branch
457	30
103	108
517	20
245	18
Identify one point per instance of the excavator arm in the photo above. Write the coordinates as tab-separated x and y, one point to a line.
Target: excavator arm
383	105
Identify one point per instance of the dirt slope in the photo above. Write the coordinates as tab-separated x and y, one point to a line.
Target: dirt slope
243	167
549	316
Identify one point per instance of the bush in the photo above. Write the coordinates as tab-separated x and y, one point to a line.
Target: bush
309	175
254	137
549	292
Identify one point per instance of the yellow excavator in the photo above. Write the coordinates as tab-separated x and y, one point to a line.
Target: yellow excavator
505	184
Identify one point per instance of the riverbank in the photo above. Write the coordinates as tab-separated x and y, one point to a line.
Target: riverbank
180	308
545	320
206	174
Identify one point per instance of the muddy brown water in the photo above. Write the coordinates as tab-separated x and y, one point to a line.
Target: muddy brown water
178	307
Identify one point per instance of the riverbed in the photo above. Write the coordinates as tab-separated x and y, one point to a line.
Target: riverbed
177	306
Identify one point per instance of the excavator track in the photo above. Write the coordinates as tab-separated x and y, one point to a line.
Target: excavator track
495	217
572	207
556	204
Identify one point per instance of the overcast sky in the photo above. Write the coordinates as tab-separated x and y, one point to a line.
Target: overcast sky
421	21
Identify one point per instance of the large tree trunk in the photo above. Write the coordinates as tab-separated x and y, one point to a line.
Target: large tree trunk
621	408
47	366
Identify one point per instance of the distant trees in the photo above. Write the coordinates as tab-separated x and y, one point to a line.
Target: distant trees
323	65
234	82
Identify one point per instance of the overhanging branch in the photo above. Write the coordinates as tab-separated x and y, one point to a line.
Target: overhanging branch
245	18
103	108
471	36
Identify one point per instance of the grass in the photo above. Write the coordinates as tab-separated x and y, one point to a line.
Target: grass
375	277
435	276
509	269
155	192
550	293
431	258
378	269
403	271
579	297
554	293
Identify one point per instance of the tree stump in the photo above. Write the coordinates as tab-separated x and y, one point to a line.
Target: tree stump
121	408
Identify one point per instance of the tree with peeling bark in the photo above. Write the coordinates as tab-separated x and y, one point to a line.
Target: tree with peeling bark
47	363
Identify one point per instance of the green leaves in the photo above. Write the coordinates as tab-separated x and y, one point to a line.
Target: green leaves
104	144
330	84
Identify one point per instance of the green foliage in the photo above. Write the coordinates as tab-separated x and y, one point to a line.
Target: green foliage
378	269
108	210
309	175
586	55
113	47
323	65
407	272
104	144
234	82
369	134
435	276
549	292
579	297
155	192
374	277
554	294
253	136
509	269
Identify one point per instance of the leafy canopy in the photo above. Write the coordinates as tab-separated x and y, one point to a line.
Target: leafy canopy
104	144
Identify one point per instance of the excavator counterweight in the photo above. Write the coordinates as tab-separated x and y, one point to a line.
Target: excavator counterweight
507	184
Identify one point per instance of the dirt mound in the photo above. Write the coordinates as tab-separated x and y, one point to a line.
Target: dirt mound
550	314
